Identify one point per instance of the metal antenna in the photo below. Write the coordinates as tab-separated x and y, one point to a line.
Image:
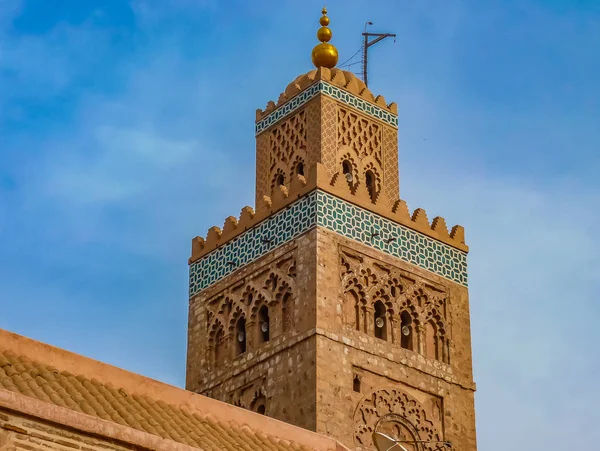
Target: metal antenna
367	44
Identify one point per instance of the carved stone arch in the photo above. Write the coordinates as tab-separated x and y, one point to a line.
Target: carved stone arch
249	294
237	313
226	305
280	276
389	405
371	177
217	323
259	401
283	288
216	351
420	295
271	281
348	163
395	286
368	279
279	177
261	299
298	165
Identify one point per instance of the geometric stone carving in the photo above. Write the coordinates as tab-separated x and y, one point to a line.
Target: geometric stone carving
394	413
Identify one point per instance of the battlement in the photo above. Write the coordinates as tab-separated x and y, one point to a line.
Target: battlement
336	77
318	178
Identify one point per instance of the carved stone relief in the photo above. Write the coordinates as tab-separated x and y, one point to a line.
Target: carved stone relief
397	414
382	300
260	307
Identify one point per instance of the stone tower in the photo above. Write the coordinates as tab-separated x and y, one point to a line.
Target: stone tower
330	306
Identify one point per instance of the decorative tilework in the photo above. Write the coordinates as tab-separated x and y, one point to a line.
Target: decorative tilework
333	92
323	209
373	230
276	230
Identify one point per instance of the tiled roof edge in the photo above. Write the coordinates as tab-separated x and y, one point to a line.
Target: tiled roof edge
86	424
136	384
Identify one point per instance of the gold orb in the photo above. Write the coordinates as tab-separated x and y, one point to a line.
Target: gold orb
324	34
324	20
325	55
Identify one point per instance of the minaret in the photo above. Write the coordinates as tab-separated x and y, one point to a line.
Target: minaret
329	305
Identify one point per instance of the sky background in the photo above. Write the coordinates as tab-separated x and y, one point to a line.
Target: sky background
127	128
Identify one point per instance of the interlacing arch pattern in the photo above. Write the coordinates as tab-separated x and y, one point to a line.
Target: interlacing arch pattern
389	409
360	134
287	149
383	302
232	318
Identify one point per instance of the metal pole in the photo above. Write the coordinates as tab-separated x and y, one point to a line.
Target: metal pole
365	47
367	44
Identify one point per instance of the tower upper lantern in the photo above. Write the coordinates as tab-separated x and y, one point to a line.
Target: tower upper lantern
329	116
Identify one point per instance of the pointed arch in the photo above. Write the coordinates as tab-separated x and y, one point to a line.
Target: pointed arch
380	320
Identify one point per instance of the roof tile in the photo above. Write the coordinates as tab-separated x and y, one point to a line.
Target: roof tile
77	392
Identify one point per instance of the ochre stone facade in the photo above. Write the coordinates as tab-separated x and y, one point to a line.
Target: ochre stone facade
340	333
360	376
329	132
278	373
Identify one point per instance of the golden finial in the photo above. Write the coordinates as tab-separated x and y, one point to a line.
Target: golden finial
324	54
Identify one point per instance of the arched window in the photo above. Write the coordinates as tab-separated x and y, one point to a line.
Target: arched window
259	405
219	345
380	321
347	170
370	183
286	312
406	331
431	341
300	168
240	338
264	325
279	180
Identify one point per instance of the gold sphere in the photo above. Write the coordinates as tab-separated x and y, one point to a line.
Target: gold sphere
324	34
324	20
325	55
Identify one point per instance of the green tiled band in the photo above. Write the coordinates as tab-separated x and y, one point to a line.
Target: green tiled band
335	93
342	217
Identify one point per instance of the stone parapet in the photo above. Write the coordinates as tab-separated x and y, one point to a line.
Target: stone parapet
318	178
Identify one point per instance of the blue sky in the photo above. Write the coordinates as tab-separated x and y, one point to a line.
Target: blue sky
126	128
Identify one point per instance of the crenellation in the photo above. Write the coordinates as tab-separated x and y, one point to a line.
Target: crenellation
336	77
317	178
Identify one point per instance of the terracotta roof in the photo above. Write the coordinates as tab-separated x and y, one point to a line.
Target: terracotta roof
200	422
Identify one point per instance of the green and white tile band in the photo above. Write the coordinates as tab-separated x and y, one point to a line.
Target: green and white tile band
325	210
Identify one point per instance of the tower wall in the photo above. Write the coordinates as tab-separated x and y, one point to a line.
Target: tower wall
366	383
378	338
331	126
280	373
